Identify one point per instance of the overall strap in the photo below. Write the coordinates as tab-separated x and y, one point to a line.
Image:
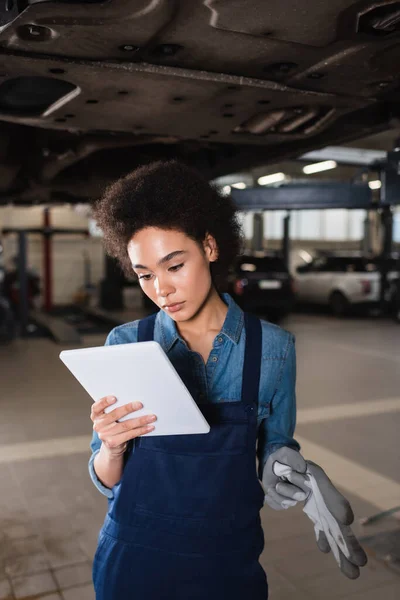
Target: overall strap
252	360
146	328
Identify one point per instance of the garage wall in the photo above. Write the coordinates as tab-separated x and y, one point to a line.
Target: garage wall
335	229
326	225
68	250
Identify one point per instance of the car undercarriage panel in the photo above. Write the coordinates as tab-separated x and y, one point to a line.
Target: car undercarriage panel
88	90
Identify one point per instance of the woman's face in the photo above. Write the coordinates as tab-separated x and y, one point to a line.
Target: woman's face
173	269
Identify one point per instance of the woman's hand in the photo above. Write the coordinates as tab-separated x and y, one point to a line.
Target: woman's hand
114	435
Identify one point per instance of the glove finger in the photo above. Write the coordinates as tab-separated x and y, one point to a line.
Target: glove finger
323	543
272	503
290	491
337	504
281	470
356	553
281	500
300	481
349	569
341	538
286	473
292	458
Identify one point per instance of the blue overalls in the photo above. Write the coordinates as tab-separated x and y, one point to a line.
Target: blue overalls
184	522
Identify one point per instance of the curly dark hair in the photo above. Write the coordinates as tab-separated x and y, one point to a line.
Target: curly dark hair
169	195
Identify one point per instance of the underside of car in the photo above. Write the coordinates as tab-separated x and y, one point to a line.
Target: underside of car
89	89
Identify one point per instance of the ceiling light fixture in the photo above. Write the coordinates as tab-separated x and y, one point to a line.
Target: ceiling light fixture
318	167
273	178
375	185
240	185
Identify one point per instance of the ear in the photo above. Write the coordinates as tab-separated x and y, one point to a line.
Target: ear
210	248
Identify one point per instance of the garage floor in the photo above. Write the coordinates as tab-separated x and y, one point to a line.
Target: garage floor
348	421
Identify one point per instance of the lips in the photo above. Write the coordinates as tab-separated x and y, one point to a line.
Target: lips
172	305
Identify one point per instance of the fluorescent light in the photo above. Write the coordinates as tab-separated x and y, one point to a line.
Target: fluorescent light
248	267
306	256
345	155
273	178
321	166
375	185
240	185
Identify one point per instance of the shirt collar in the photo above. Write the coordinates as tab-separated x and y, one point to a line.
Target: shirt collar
232	326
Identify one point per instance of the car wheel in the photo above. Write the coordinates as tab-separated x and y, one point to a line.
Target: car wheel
339	304
8	329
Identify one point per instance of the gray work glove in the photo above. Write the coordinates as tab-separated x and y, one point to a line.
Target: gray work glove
332	516
284	479
288	479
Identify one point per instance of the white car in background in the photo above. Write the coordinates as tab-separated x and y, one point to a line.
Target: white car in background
343	281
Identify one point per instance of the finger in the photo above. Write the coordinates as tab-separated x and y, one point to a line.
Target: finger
355	552
281	470
99	406
281	500
300	480
104	429
104	420
118	440
117	428
110	429
290	491
349	569
337	504
344	545
292	458
136	423
288	503
122	411
273	504
323	543
337	534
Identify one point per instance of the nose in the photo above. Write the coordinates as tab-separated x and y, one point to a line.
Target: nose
163	287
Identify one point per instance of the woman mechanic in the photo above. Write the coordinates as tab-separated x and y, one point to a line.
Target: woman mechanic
183	518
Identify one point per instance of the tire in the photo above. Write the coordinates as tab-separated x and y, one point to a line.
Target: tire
7	323
395	302
339	304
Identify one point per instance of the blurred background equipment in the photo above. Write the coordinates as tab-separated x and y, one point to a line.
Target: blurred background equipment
7	318
262	283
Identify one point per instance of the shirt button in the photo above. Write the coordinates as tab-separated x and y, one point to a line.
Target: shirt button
214	358
220	340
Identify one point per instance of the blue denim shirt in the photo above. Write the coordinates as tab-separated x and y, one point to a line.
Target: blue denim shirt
220	380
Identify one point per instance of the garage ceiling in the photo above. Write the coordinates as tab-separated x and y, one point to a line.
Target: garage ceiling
89	90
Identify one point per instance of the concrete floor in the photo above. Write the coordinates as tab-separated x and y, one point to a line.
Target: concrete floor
348	421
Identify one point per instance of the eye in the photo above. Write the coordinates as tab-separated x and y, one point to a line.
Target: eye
175	267
145	277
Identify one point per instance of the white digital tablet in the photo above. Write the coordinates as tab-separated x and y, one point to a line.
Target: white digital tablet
138	372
